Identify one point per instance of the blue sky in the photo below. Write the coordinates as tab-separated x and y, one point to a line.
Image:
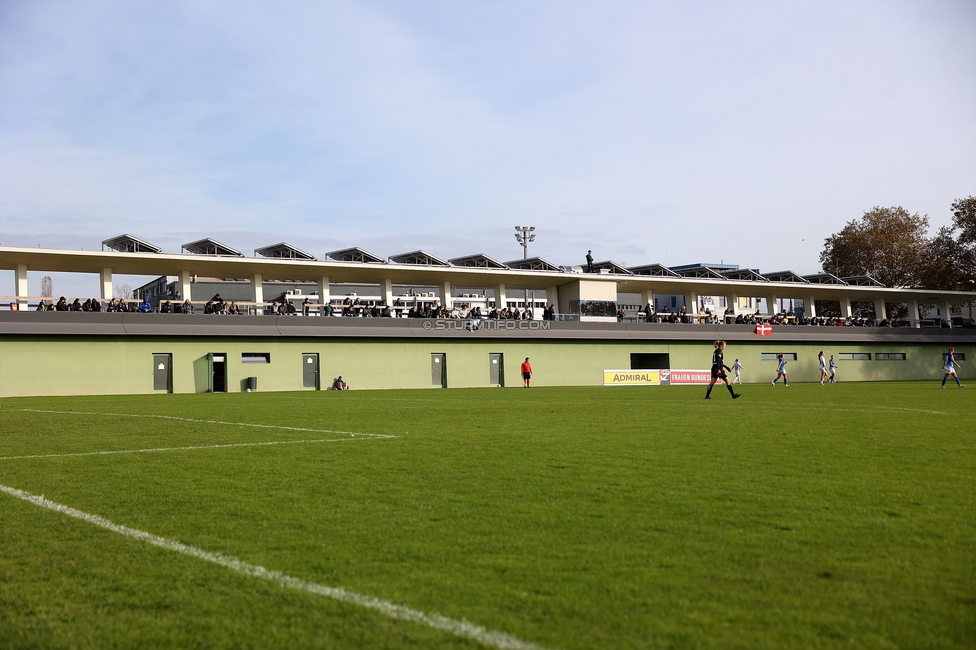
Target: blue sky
649	132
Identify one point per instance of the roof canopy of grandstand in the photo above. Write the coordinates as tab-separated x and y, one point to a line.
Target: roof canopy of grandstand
418	258
478	260
128	244
748	275
211	247
785	276
610	267
698	272
862	281
653	270
824	278
533	264
284	251
354	254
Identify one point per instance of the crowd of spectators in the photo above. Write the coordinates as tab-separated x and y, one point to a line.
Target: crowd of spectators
789	317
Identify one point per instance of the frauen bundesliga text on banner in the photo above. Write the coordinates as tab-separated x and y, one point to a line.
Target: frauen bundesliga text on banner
656	377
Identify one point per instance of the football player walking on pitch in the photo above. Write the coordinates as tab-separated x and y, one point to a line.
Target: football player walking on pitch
950	367
718	371
780	370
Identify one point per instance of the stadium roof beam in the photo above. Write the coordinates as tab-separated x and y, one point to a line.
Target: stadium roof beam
698	272
824	278
788	277
211	247
532	264
654	270
283	251
128	244
418	258
862	281
478	260
354	254
611	267
744	274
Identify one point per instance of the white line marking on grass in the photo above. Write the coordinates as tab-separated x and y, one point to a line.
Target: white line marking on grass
393	610
236	424
155	449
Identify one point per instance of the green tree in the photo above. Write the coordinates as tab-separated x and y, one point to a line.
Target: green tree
889	244
964	218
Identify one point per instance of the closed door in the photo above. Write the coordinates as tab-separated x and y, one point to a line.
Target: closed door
162	377
438	370
496	372
310	371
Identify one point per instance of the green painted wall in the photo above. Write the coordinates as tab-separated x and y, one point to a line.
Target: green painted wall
82	366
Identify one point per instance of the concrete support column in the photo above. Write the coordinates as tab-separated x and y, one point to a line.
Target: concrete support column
444	288
646	296
185	287
691	302
105	282
770	305
386	291
257	291
552	297
913	313
325	294
500	297
20	286
947	310
733	302
845	307
809	307
880	313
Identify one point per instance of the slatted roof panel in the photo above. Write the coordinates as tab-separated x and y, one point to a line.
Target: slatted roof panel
698	273
656	270
126	243
532	264
418	258
354	254
284	251
862	281
478	260
613	267
744	274
785	276
211	247
823	278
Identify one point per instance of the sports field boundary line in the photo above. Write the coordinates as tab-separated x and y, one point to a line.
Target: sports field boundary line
393	610
188	448
236	424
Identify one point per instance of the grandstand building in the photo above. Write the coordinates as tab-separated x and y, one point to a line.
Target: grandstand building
594	327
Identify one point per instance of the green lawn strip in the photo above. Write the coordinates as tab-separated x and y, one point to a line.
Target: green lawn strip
588	517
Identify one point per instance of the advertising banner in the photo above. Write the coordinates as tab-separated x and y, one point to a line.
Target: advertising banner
631	377
686	377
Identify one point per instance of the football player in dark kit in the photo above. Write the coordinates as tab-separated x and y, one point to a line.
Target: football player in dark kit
718	371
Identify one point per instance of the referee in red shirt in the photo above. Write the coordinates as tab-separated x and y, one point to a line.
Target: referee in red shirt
526	372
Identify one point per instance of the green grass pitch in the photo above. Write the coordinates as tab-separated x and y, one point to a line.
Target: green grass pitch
838	516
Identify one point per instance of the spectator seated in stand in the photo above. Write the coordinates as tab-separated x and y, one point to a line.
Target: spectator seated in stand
145	306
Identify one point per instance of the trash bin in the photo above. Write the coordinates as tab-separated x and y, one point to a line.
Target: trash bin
251	384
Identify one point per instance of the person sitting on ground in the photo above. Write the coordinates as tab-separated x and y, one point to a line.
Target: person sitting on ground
339	384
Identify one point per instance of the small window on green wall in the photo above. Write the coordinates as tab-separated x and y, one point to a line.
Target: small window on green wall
889	356
771	356
255	357
854	356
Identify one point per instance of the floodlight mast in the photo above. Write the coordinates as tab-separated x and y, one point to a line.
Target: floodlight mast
524	235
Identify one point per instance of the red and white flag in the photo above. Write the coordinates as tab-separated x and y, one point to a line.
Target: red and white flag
764	329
